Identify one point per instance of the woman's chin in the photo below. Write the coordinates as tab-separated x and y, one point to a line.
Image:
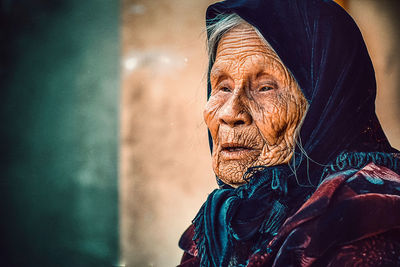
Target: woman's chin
231	173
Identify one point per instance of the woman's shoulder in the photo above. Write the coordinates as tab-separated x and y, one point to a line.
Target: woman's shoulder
378	250
351	213
186	243
351	217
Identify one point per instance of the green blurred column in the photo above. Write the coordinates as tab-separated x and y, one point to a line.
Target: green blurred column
59	105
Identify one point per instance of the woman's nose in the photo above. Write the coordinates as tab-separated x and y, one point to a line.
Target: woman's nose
234	113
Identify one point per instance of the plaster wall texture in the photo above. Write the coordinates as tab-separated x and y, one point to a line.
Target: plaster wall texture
165	161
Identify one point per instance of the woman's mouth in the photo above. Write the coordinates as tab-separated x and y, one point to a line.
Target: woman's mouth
232	151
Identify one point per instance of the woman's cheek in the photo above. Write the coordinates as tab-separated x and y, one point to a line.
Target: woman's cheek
271	122
210	116
296	110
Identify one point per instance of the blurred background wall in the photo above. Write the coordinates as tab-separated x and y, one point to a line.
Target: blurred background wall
380	25
59	101
165	161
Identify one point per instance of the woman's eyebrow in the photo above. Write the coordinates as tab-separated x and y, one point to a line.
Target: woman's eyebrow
216	71
218	75
263	73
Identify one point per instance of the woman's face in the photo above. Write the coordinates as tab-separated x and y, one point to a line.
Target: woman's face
254	108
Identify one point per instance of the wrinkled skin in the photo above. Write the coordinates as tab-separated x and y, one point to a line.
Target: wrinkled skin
255	106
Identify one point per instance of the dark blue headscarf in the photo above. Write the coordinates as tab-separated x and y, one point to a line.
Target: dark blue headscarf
323	48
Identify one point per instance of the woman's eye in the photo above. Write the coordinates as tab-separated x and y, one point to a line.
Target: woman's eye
225	89
266	88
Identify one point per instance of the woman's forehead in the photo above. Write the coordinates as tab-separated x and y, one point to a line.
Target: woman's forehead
242	51
243	46
240	40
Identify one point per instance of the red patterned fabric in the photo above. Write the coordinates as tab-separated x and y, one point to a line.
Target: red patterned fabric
352	219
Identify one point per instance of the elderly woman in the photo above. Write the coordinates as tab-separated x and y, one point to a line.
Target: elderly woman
306	174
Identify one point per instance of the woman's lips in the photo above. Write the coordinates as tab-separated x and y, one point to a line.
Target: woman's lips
233	151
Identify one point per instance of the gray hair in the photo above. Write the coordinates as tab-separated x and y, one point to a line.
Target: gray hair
220	25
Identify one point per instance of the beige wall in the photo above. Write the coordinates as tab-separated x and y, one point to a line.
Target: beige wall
165	162
379	24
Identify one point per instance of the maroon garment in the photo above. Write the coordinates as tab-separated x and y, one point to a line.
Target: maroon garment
352	219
